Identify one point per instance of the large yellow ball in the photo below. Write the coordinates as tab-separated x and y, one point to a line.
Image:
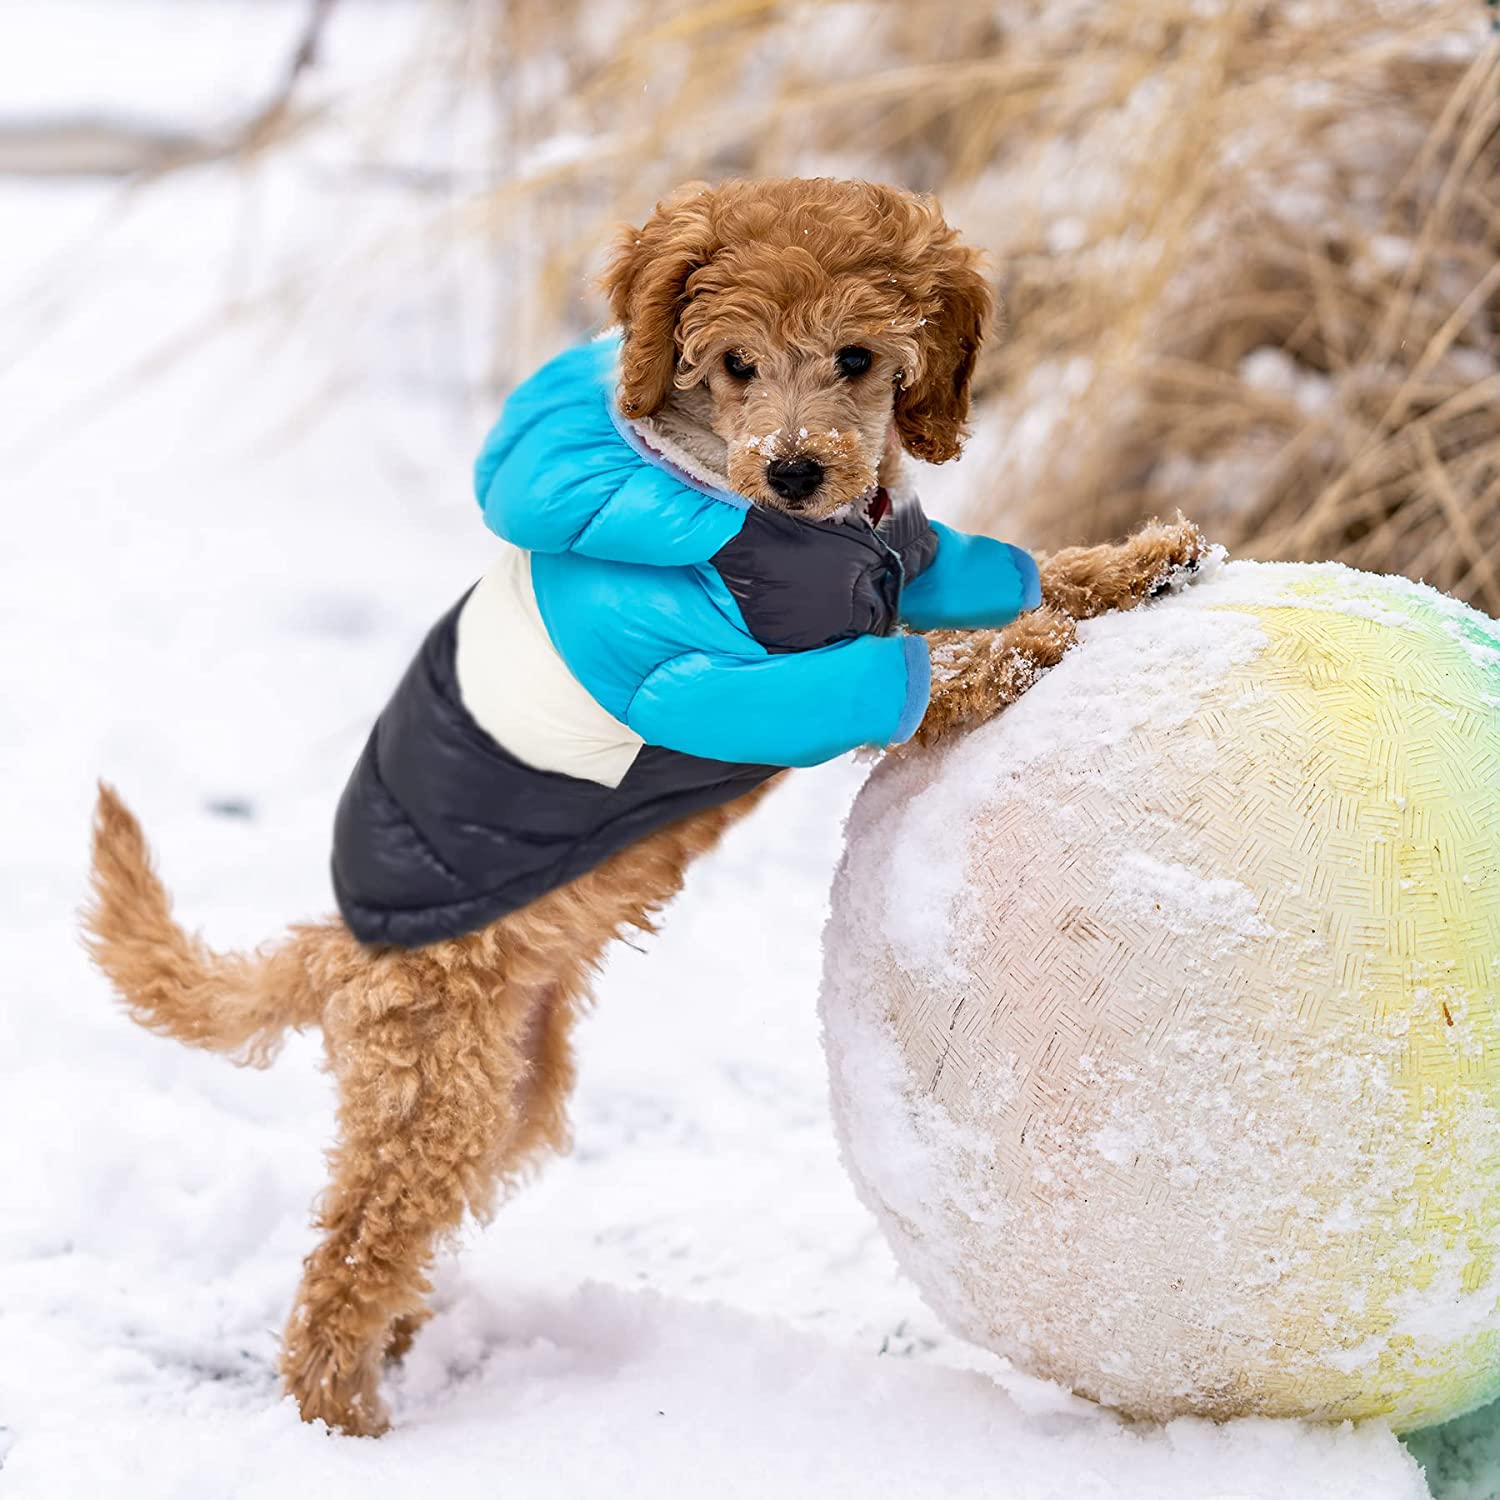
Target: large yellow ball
1161	1011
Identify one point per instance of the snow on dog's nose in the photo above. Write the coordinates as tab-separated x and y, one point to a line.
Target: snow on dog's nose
794	479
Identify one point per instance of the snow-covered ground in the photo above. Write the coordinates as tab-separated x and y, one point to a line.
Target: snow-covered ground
234	484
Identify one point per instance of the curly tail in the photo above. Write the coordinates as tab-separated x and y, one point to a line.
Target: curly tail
170	980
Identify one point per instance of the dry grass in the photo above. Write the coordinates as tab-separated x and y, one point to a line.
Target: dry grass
1300	344
1251	251
1250	248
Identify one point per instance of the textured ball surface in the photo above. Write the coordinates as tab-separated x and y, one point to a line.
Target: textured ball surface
1161	1011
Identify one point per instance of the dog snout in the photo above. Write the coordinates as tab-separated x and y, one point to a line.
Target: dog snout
794	479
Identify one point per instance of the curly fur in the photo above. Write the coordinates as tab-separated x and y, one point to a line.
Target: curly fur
976	673
453	1062
783	274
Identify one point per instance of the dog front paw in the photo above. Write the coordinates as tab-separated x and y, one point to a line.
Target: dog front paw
1087	581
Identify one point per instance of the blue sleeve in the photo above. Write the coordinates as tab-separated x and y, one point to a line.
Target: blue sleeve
558	474
973	583
797	709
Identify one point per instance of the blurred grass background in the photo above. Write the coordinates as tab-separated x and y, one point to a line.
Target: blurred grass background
1250	252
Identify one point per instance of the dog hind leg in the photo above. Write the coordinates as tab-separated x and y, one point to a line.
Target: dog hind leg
454	1064
539	1125
542	1100
403	1334
428	1051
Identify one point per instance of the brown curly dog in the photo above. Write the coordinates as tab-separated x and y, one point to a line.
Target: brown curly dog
453	1061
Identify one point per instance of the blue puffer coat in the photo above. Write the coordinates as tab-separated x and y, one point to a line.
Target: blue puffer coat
721	640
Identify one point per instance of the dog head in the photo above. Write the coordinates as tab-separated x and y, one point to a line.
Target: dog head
826	319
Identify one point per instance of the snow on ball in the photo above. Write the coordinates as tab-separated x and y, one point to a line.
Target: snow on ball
1161	1010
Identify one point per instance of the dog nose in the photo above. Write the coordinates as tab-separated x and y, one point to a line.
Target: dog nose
794	478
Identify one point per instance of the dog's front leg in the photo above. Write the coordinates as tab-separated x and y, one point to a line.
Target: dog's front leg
1087	581
977	673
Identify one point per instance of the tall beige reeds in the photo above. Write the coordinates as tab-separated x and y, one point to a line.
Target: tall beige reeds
1251	252
1250	248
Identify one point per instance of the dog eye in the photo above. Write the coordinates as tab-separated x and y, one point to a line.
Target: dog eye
739	369
851	360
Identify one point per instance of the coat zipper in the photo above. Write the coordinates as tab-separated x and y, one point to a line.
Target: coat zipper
900	566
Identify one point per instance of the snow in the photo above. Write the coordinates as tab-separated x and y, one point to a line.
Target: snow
1214	911
614	1392
1277	373
113	57
236	494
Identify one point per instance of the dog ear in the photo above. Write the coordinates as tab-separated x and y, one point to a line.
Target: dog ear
931	412
646	283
